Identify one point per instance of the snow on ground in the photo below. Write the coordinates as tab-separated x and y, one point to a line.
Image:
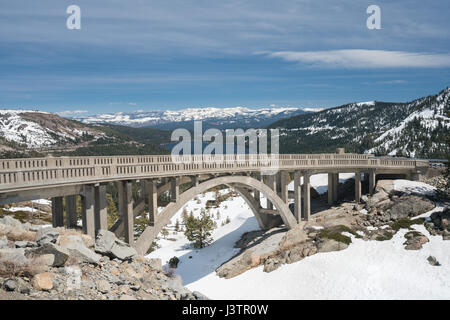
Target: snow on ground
320	181
413	187
365	270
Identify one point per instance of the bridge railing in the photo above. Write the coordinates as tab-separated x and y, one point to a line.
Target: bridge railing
16	173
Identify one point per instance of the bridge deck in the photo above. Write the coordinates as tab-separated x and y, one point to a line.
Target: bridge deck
30	173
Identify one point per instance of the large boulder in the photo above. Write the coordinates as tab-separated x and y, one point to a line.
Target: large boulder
61	254
107	244
47	235
10	221
293	237
409	206
77	248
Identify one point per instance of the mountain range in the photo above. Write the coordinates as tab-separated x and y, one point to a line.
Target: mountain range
419	128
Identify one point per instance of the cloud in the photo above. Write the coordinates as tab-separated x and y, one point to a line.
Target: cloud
361	58
71	112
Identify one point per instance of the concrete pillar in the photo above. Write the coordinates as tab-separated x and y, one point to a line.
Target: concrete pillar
195	181
256	192
297	196
284	181
272	183
57	212
330	189
71	211
357	186
306	196
88	215
415	176
126	210
151	198
335	187
174	189
100	210
372	179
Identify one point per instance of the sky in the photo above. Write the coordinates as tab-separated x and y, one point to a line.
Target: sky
174	54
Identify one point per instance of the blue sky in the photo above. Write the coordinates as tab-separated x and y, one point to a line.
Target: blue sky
143	55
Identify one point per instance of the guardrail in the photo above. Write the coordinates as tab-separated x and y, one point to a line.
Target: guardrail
17	173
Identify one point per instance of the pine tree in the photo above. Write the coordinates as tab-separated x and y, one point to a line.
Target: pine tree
164	233
198	230
177	225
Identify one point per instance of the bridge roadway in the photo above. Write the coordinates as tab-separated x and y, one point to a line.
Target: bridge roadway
249	175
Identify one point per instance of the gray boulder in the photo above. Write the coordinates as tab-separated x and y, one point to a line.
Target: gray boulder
10	221
107	244
61	254
77	249
25	244
328	245
10	285
409	206
46	235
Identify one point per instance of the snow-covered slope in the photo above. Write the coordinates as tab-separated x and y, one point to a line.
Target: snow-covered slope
36	129
365	270
414	129
240	116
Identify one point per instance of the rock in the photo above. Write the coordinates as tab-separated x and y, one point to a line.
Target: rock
25	244
433	261
409	206
415	240
328	245
364	199
379	196
271	265
155	263
42	281
385	185
199	296
10	221
108	244
103	286
47	259
77	248
440	223
10	285
293	237
47	235
61	254
127	297
3	242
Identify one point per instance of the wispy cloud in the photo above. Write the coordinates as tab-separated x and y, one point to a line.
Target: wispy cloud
361	58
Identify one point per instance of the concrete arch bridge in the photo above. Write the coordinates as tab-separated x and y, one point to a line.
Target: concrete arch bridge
249	175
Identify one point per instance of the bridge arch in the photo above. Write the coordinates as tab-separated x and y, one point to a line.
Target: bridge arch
236	182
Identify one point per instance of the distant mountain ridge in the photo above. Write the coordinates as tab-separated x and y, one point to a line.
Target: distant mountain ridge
419	128
221	118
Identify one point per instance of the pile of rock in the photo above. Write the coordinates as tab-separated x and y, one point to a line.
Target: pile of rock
439	224
56	263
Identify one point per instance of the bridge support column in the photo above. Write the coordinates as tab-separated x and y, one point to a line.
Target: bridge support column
126	210
151	197
100	211
415	176
174	189
330	188
284	181
88	210
357	186
372	180
306	196
272	183
57	212
71	211
256	193
195	181
297	196
335	187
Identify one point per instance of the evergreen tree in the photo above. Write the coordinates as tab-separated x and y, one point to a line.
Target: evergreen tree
198	230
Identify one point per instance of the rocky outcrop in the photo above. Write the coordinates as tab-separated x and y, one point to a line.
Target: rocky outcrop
56	263
439	224
415	240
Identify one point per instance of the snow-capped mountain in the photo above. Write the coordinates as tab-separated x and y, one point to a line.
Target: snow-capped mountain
36	129
218	117
414	129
